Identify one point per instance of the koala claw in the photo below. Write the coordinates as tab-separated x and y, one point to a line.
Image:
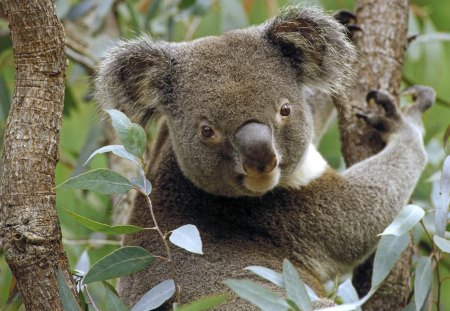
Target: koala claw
348	19
345	17
423	96
385	100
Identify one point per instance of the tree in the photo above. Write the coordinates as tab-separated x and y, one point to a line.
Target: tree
384	28
30	228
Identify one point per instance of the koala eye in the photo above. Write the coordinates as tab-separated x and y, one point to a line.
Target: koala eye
207	132
285	110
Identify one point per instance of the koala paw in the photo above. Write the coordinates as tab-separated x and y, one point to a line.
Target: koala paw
423	96
393	117
348	19
381	122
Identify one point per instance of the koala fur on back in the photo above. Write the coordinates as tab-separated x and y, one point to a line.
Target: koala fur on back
235	154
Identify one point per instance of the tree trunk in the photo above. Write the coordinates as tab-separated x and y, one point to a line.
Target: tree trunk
382	44
29	224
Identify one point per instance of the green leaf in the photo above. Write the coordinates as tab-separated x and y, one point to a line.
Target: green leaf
130	134
188	238
113	302
446	137
295	288
118	150
268	274
136	141
143	184
408	217
122	262
83	263
102	180
233	15
440	220
348	293
205	303
443	244
422	283
184	4
104	228
156	296
260	296
388	252
68	300
292	305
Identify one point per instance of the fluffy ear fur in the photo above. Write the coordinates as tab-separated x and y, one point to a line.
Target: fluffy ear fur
316	45
134	77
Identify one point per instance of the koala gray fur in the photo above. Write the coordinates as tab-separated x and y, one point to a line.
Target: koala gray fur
257	189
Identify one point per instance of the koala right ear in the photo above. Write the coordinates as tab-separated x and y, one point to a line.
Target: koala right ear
317	47
134	77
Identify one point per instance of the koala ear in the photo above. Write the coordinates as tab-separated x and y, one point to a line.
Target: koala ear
134	77
316	45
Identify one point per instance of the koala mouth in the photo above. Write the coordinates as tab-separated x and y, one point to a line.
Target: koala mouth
262	183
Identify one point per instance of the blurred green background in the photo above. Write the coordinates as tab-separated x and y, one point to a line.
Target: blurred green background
92	26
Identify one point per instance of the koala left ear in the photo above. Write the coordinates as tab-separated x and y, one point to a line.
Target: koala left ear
316	45
134	77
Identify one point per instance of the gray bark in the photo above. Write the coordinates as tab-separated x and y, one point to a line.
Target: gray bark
382	44
30	229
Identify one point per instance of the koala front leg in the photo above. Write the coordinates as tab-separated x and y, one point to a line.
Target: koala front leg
383	183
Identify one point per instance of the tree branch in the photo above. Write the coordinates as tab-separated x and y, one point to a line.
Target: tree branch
29	224
382	44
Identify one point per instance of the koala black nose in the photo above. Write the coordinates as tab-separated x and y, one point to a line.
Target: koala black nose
254	142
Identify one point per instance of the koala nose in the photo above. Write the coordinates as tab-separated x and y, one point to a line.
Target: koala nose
254	142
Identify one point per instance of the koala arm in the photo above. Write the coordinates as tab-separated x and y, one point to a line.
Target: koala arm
384	182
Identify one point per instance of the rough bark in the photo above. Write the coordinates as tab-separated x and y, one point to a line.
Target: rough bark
382	44
30	228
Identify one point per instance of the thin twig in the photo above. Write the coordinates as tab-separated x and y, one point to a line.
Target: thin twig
166	245
90	298
435	256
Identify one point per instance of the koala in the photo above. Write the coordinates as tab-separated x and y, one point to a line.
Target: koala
235	153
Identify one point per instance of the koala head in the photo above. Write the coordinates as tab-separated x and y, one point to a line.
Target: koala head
234	107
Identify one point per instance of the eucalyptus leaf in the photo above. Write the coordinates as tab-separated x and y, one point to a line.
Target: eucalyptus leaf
143	184
68	300
203	304
260	296
348	293
156	296
130	134
113	302
124	261
188	238
104	228
443	244
295	288
408	217
268	274
118	150
233	15
83	263
388	252
442	209
102	180
422	283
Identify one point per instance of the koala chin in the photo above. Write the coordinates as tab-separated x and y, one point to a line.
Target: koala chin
234	153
